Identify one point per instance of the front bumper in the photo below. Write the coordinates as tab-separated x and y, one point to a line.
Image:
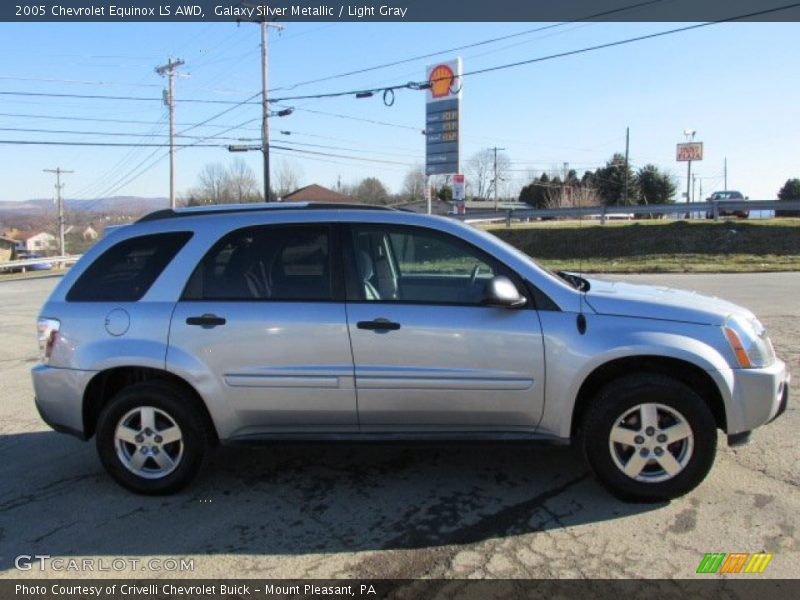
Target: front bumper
59	397
758	396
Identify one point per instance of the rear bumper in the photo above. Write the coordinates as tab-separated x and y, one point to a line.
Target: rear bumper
758	396
59	397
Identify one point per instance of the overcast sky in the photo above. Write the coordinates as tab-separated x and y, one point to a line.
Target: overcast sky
737	85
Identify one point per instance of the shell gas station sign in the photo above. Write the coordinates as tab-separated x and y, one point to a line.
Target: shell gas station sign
443	118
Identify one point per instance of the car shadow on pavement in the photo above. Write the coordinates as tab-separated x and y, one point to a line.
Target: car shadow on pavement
295	499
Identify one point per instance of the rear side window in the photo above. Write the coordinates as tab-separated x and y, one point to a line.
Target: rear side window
266	263
125	272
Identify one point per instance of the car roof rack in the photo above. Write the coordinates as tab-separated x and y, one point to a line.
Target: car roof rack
192	211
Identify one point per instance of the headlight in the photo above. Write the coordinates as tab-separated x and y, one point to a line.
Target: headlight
749	341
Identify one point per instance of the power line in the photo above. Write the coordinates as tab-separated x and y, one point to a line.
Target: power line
465	46
103	144
132	154
422	85
76	81
361	119
102	120
105	97
224	112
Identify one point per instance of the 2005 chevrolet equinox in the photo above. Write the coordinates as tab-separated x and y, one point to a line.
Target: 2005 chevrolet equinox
327	322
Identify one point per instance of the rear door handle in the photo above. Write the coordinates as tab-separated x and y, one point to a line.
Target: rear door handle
379	325
206	321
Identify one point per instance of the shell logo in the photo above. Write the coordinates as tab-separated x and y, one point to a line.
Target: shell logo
441	80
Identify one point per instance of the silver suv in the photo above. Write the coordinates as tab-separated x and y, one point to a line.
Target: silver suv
318	322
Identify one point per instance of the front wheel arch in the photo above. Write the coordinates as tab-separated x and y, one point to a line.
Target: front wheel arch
681	370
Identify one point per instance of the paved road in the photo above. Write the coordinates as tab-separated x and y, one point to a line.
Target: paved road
395	510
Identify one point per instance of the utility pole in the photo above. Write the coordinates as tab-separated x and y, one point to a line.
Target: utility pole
58	171
265	104
494	181
169	70
725	171
627	148
265	25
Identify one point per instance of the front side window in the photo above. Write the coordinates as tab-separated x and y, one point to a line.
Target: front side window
125	272
266	263
418	265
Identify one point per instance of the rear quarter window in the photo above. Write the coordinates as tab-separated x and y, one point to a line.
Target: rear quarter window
126	270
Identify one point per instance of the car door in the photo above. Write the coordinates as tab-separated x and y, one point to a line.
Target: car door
428	354
263	316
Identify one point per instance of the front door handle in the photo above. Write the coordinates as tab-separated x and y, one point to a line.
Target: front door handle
206	321
379	325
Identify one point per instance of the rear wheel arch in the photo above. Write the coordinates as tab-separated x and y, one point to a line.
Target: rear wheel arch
106	384
681	370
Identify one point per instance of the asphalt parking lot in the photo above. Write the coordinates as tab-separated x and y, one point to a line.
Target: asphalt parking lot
394	510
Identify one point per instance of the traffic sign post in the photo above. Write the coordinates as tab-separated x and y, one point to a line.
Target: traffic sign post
459	193
687	153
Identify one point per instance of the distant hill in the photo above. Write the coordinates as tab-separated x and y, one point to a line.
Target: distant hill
117	205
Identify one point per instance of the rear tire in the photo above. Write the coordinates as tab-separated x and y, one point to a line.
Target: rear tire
649	437
151	438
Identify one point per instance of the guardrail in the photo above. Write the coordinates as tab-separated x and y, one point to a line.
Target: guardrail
604	212
56	261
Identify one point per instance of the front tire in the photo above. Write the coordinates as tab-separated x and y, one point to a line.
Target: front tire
649	437
151	439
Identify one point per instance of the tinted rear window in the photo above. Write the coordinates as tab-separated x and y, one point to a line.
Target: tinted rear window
125	272
266	263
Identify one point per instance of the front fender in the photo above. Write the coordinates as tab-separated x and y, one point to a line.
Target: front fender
571	358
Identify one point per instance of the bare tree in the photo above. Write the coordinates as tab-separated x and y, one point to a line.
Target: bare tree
480	173
241	183
287	178
414	183
213	185
574	195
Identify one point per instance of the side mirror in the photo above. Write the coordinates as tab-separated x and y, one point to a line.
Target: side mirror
501	291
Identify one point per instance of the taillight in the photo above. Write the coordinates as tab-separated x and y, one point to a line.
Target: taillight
47	330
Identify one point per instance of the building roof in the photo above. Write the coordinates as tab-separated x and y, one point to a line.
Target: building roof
317	193
23	236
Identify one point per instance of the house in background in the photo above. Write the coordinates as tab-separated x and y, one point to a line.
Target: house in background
7	248
317	193
36	242
89	234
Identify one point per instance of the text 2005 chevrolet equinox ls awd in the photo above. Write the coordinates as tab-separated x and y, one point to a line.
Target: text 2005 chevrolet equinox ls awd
315	322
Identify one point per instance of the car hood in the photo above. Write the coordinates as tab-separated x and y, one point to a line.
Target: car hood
658	302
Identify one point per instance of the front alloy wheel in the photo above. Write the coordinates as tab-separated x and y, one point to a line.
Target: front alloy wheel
649	437
651	443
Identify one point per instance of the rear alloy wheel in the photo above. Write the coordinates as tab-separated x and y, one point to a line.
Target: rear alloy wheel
149	442
649	437
151	439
